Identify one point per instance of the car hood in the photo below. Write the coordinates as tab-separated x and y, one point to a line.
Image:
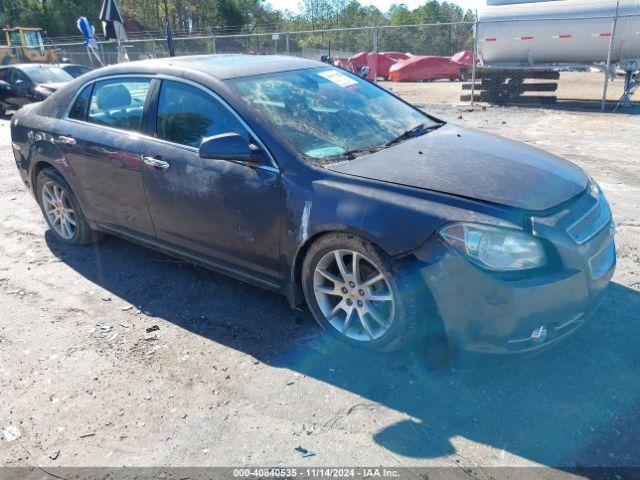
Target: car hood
476	165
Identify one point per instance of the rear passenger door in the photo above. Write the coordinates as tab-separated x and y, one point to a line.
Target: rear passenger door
103	148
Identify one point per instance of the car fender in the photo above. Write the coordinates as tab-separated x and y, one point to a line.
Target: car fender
398	220
44	153
35	136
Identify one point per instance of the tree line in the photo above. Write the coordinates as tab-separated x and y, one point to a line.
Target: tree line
57	17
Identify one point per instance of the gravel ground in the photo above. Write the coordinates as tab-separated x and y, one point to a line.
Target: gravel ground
233	377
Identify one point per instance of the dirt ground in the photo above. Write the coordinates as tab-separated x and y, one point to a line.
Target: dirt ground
231	376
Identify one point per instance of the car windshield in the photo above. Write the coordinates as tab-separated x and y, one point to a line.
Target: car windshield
329	114
46	74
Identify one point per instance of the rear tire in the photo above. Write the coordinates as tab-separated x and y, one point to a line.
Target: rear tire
62	211
379	316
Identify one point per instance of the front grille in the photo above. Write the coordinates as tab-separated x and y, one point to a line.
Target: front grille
602	262
591	223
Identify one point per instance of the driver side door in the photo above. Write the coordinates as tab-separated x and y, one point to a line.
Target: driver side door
224	210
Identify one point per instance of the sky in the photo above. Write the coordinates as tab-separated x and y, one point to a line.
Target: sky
383	5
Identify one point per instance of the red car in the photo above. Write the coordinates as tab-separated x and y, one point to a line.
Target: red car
380	63
398	56
386	60
464	58
419	68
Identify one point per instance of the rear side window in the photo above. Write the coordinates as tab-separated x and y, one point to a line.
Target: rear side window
119	102
187	114
81	105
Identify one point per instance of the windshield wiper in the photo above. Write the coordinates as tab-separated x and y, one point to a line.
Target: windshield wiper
416	131
352	154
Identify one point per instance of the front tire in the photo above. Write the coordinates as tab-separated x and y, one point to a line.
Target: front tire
360	296
62	211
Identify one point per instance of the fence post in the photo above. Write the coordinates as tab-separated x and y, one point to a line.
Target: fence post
609	53
153	44
55	47
213	43
286	45
374	43
374	39
475	59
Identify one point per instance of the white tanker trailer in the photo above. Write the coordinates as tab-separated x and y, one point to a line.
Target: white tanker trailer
539	35
515	33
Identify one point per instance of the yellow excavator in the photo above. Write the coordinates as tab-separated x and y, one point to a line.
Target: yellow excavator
25	45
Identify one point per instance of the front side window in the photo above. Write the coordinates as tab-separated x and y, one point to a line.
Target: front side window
119	102
326	112
17	78
187	114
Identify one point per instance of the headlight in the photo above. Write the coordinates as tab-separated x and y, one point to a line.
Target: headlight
495	248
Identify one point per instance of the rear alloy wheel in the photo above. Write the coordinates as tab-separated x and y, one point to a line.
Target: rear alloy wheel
353	295
358	294
62	211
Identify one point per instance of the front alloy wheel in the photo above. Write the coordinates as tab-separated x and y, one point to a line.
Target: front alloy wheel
360	295
353	295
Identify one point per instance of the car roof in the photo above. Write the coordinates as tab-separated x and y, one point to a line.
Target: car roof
223	67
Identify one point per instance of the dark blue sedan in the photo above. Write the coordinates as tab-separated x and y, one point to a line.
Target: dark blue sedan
391	225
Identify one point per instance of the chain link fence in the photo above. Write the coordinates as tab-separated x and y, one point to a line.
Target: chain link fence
569	61
588	62
336	43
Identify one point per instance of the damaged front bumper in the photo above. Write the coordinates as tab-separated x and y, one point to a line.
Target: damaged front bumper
485	313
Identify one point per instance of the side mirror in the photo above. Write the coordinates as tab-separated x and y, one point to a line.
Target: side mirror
4	86
20	86
230	146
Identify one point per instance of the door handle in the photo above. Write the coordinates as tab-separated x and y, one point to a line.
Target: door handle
65	140
95	150
156	163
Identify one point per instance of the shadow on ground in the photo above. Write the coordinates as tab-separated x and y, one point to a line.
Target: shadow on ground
575	405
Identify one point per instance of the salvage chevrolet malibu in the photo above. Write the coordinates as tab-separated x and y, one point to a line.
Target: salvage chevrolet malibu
390	224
